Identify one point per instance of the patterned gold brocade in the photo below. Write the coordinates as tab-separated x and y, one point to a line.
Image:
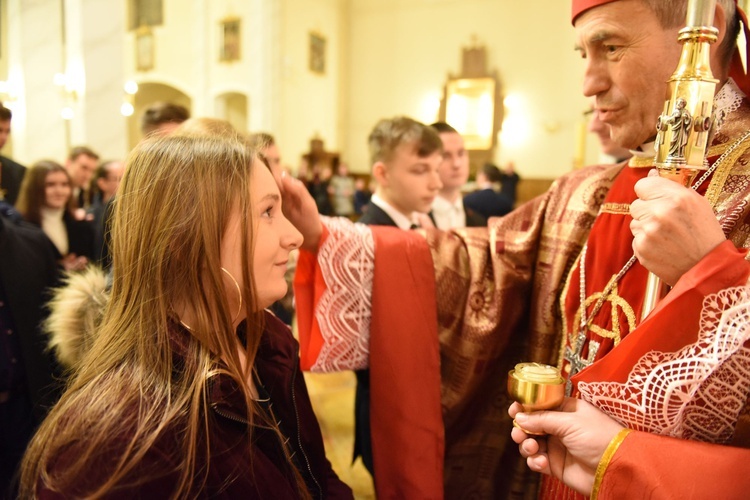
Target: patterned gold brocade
723	170
484	283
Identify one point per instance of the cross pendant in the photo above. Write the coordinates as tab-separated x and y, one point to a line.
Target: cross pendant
578	362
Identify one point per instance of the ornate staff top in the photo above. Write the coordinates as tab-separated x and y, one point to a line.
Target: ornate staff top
684	127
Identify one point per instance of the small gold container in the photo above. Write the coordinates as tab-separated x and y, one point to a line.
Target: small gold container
536	387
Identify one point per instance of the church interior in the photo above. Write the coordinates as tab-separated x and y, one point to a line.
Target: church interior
317	75
81	72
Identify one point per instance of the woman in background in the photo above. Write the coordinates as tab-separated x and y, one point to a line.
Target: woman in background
46	200
189	388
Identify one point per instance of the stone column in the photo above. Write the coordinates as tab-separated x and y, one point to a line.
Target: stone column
95	37
82	39
35	54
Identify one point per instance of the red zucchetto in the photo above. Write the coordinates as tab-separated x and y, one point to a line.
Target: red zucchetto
579	6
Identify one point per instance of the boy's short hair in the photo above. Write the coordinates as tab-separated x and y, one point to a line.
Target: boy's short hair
261	140
82	151
5	113
492	173
391	133
443	128
160	113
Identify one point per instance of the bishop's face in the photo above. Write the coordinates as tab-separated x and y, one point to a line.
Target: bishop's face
629	58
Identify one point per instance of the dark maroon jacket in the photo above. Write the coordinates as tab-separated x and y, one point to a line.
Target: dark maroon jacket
230	473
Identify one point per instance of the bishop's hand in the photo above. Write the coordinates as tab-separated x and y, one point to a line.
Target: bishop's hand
577	436
300	208
673	227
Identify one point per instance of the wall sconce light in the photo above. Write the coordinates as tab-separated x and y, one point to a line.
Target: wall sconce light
470	108
517	129
68	94
128	108
8	94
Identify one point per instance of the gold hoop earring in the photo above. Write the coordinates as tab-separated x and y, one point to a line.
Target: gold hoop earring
239	292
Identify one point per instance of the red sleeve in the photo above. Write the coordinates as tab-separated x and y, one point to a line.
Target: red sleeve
678	313
651	466
309	286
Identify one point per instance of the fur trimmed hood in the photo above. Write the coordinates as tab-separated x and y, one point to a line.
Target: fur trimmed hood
76	310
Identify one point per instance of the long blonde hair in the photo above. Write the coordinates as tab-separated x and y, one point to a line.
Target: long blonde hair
171	211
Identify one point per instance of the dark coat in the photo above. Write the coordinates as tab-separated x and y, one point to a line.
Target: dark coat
28	268
376	216
473	218
236	469
489	203
80	237
11	177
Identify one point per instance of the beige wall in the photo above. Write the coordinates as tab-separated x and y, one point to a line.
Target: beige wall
401	52
284	97
383	58
311	103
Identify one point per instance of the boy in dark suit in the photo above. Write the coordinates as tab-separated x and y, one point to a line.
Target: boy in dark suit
448	209
11	173
406	156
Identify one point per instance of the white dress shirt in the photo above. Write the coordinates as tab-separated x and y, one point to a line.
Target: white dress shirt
448	215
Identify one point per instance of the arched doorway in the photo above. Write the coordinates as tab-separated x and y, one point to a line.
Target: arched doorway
149	93
232	107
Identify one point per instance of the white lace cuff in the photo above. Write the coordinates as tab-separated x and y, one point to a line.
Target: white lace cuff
347	263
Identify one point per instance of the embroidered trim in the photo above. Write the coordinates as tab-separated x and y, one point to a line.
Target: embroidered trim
615	208
695	393
727	100
609	453
347	262
641	161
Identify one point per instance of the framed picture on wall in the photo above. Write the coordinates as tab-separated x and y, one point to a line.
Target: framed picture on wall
144	49
317	53
145	13
229	46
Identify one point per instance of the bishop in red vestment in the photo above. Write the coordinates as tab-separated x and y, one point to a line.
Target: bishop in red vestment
440	319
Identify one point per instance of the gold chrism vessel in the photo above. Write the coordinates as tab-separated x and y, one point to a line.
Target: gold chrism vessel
536	387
